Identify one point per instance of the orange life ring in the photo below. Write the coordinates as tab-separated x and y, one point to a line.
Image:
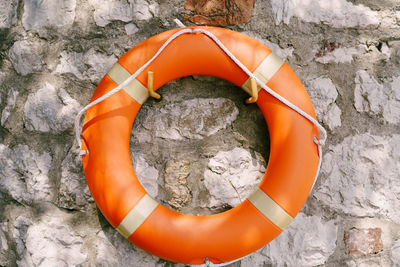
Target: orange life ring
184	238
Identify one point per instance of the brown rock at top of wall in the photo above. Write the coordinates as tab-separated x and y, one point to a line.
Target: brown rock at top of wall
219	13
363	241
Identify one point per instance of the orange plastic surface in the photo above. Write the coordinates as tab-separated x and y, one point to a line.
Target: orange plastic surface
184	238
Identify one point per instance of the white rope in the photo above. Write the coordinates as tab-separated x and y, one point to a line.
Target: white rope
321	130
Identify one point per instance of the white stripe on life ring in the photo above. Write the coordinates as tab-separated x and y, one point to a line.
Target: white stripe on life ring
134	89
137	216
270	209
265	71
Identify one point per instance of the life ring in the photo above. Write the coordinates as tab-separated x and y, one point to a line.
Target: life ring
223	237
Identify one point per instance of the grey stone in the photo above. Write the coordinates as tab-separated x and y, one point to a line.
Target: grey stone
131	28
395	252
73	191
24	174
361	177
255	259
91	65
144	9
8	10
340	55
105	251
112	250
310	242
99	64
106	11
191	119
376	98
49	242
232	176
385	50
50	110
71	63
282	53
2	78
4	247
338	13
38	14
21	225
11	99
323	95
3	238
26	56
147	175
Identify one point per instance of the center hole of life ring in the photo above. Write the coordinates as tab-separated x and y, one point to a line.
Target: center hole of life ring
200	151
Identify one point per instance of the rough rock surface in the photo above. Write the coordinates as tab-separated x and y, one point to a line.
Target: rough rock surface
49	243
106	11
112	249
176	185
73	190
53	54
71	63
24	174
309	240
338	55
219	13
21	225
362	176
363	241
90	65
337	13
376	98
232	176
144	9
3	238
131	29
395	251
4	244
98	63
8	10
147	175
50	109
11	99
283	53
323	94
26	56
313	240
38	14
194	118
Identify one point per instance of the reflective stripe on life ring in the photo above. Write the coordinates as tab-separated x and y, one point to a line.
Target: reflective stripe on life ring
135	89
184	238
136	216
265	71
270	209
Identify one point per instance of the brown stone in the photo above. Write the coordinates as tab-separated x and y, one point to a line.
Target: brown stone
219	12
176	174
363	241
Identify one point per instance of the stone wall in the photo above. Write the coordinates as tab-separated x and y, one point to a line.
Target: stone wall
53	53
